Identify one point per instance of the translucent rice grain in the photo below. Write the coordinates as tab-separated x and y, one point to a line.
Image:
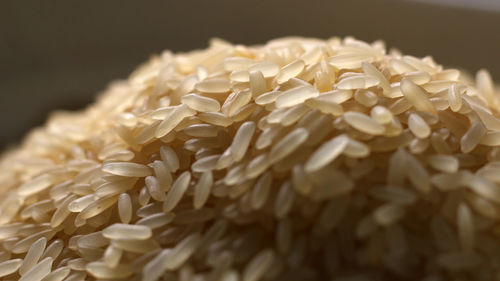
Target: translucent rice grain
289	71
127	231
136	246
35	185
369	69
454	98
112	256
101	270
242	140
258	84
176	192
155	268
417	174
170	158
95	209
284	200
444	163
288	144
125	208
326	153
156	220
472	137
240	100
202	190
416	96
257	166
39	271
349	61
127	169
363	123
154	189
215	118
213	86
293	114
336	96
491	139
357	82
356	149
311	56
418	77
173	119
258	266
267	98
9	230
206	163
183	251
200	103
237	63
483	187
418	126
366	98
295	96
62	212
58	274
485	86
33	255
276	116
381	114
261	190
489	120
268	69
10	266
53	250
81	203
325	106
94	239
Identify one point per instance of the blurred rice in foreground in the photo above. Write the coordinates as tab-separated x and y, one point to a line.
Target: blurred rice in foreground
301	159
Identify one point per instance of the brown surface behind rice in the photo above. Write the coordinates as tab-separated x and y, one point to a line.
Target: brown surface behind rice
301	159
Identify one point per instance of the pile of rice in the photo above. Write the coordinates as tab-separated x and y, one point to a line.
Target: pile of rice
301	159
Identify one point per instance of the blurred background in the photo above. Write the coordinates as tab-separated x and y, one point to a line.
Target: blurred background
59	54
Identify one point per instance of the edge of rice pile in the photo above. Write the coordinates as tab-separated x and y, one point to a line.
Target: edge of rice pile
301	159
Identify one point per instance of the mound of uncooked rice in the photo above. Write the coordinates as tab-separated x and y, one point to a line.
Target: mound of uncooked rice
301	160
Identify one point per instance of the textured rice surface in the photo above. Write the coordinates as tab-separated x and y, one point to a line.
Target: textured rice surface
301	159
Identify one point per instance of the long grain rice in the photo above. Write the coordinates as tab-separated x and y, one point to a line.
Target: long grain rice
295	96
10	266
39	271
33	255
177	191
363	123
301	159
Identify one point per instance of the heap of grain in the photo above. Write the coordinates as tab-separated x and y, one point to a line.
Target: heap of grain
301	159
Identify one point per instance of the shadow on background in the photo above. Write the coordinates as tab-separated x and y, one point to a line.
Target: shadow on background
59	54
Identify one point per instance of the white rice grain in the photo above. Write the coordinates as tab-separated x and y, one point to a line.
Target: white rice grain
202	190
326	153
176	192
418	126
39	271
363	123
127	231
295	96
127	169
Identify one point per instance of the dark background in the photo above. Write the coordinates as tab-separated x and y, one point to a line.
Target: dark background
59	54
